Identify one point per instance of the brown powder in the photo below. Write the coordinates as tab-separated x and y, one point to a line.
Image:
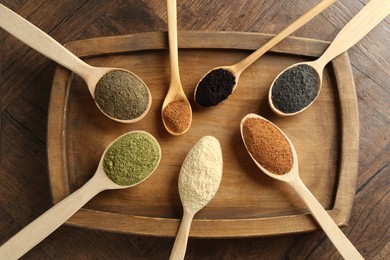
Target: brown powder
177	116
267	145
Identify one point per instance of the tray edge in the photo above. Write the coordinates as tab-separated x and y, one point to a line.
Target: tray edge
337	212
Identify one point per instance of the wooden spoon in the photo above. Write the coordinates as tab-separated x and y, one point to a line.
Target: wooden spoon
341	242
238	68
44	225
46	45
362	23
199	181
175	91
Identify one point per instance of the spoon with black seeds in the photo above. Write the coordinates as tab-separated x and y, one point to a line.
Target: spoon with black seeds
219	83
128	99
298	86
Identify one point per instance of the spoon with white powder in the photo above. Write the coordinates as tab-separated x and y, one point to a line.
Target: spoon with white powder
199	179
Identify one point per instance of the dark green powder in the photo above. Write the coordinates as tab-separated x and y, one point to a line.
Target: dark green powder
122	95
131	158
295	89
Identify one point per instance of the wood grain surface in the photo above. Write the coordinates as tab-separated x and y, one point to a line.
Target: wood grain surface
25	83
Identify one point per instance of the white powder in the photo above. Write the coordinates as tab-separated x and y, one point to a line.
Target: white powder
200	174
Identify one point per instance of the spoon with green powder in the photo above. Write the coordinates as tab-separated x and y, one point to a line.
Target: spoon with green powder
199	180
176	110
219	83
299	85
126	162
119	94
274	154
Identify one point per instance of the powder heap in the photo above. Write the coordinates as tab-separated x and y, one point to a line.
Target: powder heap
295	89
131	158
214	88
122	95
267	145
200	174
177	116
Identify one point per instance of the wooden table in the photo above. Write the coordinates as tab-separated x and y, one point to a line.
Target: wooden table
25	82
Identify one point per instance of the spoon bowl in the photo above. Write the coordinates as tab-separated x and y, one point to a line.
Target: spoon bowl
92	81
46	45
362	23
236	69
49	221
288	176
216	85
291	176
302	102
175	92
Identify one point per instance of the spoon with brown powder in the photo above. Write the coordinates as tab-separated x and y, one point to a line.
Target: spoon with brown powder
120	167
176	111
219	83
275	155
299	85
119	94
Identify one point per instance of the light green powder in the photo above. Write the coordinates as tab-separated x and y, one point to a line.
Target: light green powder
131	159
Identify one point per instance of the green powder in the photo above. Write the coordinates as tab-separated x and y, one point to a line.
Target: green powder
131	158
122	95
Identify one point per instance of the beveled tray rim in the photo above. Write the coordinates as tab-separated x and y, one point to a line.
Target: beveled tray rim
222	228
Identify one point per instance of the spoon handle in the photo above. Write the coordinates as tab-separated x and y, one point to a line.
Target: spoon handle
180	245
362	23
40	41
173	45
339	240
242	65
49	221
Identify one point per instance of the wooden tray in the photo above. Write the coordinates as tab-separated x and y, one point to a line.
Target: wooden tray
248	203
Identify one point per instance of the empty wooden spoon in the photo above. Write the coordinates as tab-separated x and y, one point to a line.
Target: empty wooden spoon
127	146
176	111
122	108
219	83
275	155
288	96
199	179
